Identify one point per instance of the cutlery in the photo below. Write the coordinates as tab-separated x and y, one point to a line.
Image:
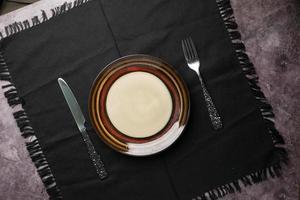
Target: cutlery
80	121
193	61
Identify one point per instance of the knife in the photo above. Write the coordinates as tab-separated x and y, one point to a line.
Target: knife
80	121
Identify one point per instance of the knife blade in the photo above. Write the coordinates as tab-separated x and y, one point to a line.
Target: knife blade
73	104
80	122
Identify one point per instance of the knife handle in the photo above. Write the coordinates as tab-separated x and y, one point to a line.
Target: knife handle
95	157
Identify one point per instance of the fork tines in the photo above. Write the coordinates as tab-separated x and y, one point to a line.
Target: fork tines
189	49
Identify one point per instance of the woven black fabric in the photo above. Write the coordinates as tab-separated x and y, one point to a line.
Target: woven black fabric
77	44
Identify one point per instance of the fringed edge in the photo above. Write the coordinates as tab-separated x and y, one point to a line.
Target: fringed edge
32	144
247	67
279	156
272	171
19	26
275	170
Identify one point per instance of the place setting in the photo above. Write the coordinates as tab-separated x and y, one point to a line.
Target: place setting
138	105
155	108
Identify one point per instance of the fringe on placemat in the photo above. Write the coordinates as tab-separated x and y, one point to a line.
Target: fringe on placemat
256	177
10	92
32	144
266	110
279	155
38	19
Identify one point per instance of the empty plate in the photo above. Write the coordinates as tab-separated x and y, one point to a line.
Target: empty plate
139	105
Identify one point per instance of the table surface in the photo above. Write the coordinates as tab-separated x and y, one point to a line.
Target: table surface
271	31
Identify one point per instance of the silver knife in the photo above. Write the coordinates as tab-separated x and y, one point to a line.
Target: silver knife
80	121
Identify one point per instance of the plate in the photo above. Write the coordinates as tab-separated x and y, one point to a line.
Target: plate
139	105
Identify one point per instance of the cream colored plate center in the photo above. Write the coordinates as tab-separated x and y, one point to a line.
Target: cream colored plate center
139	104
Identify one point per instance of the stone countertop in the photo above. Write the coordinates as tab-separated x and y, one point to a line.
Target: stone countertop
271	31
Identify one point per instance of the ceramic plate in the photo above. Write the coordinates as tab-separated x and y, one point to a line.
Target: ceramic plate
139	105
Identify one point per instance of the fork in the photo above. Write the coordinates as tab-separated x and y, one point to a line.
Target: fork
193	61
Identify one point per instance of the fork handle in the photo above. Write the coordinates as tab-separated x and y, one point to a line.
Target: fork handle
212	111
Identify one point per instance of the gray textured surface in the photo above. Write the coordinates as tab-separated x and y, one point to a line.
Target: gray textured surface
271	31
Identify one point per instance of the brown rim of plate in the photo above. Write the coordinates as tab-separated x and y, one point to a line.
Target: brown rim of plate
130	145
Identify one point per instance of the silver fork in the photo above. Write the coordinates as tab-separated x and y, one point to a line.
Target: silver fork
193	61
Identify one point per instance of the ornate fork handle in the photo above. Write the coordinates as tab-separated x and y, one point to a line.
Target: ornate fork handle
212	111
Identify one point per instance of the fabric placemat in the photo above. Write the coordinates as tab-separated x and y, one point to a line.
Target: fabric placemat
76	45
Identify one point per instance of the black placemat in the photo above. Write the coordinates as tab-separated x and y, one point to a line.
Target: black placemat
76	45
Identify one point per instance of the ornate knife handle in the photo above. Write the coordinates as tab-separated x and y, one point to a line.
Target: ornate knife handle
95	157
